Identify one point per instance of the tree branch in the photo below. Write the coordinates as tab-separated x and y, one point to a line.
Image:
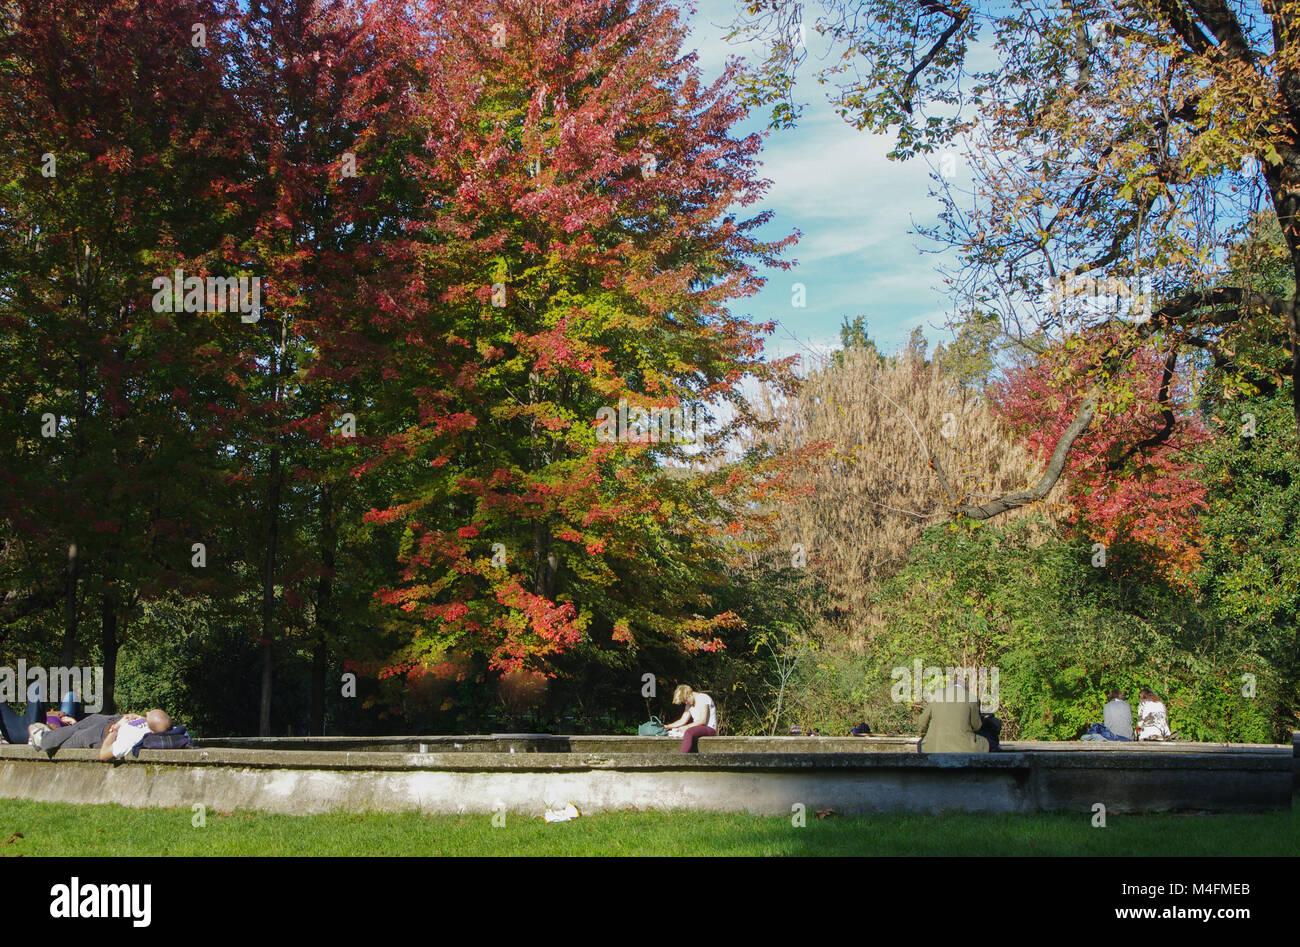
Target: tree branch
1166	414
1172	314
958	18
1226	28
1051	475
1182	24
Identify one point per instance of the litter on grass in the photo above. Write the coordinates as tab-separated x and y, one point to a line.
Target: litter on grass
568	813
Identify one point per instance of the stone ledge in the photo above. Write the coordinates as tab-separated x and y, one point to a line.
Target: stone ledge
1254	759
538	743
303	781
753	783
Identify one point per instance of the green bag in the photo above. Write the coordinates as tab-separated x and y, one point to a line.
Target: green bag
652	728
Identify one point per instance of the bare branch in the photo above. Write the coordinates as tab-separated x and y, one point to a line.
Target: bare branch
1051	475
958	18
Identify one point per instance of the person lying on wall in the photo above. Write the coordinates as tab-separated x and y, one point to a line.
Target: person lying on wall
114	735
14	726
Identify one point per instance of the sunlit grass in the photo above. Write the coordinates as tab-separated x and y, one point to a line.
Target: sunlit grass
38	828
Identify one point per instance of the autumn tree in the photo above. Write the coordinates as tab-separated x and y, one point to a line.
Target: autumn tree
1130	484
329	93
116	134
1114	150
582	250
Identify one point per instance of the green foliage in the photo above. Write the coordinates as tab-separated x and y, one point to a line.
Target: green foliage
1061	633
1058	631
856	336
763	678
187	658
1251	568
970	356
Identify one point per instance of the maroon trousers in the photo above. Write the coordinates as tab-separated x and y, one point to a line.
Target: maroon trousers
692	733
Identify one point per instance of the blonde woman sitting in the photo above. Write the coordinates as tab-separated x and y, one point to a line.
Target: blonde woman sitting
699	720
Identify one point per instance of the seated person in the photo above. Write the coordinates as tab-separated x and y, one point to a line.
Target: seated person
953	726
1153	722
1117	716
699	720
114	735
1117	720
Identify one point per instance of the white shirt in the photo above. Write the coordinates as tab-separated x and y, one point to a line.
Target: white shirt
1152	721
704	711
129	733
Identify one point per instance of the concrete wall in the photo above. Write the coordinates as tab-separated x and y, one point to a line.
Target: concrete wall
307	781
551	743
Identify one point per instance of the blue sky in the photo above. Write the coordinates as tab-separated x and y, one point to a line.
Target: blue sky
855	208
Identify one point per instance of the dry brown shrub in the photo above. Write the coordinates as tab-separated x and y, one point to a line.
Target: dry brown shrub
871	491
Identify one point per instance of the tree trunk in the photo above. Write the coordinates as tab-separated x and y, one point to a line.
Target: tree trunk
70	577
1284	183
273	535
73	572
1295	354
324	612
268	596
108	645
544	571
319	664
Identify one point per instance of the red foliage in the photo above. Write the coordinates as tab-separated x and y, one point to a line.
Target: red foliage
581	187
1152	497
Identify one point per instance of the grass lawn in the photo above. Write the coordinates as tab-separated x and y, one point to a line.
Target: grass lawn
40	828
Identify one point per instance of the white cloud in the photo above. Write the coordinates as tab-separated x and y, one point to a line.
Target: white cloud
854	207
